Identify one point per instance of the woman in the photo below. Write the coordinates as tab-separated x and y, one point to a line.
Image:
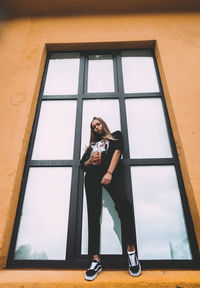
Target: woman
102	166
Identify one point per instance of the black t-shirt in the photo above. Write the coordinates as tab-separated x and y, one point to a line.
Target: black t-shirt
107	147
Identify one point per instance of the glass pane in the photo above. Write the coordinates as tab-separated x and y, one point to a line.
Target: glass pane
55	133
139	75
100	74
160	225
110	227
148	137
108	110
44	221
62	76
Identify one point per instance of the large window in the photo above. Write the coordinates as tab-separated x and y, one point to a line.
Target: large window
124	88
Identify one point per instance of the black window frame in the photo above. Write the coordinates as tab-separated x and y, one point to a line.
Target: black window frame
74	259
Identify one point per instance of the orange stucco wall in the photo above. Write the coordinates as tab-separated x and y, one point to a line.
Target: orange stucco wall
23	44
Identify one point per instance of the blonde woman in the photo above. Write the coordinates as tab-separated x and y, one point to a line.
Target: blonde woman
102	166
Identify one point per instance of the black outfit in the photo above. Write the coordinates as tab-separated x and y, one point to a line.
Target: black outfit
93	186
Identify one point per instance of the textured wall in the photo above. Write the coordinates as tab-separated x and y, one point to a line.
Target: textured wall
22	55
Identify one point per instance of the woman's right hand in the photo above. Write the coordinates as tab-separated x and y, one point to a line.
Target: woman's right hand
92	160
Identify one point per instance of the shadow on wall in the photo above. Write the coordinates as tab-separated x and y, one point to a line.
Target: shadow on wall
40	8
3	15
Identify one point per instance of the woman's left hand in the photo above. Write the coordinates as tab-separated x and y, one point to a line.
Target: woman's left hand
106	179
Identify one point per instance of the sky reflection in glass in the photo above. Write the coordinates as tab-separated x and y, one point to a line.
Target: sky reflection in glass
62	77
44	221
160	225
148	136
55	132
100	74
139	75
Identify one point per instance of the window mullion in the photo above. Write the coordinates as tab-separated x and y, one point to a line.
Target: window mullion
71	234
53	163
75	196
85	80
143	95
152	161
119	74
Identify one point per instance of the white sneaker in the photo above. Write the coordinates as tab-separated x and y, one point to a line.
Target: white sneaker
134	266
94	270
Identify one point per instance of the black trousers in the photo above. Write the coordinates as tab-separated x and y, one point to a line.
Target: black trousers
124	208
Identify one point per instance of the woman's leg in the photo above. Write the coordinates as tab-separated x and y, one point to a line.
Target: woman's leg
130	248
124	209
94	202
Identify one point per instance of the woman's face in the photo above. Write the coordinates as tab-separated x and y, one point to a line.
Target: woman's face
97	127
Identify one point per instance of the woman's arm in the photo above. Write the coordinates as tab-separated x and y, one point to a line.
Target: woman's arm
113	163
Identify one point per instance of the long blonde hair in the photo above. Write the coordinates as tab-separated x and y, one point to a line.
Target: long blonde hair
105	131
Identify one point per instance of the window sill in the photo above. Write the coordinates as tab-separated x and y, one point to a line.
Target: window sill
108	278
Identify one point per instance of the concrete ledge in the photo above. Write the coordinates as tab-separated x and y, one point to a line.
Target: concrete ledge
109	279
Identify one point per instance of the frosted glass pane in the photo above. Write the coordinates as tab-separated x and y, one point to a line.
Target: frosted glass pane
108	110
62	76
44	221
139	75
160	225
148	137
110	242
55	133
100	74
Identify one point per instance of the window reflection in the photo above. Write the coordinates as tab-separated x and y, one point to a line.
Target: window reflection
160	225
100	74
44	221
62	76
55	132
139	75
148	136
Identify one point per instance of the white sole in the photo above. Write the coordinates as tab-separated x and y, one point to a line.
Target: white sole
135	274
90	278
